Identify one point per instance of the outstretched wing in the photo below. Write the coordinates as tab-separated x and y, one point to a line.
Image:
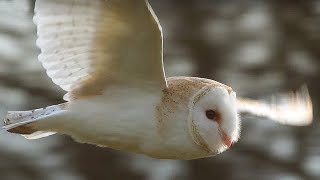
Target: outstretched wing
86	45
291	109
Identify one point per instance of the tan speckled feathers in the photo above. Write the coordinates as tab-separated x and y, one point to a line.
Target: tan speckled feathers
87	45
185	87
180	89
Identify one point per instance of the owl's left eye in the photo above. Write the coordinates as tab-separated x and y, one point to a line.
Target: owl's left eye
211	114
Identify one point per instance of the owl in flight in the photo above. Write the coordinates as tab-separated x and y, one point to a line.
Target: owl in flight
107	55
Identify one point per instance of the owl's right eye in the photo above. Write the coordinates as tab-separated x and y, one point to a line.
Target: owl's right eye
211	114
214	115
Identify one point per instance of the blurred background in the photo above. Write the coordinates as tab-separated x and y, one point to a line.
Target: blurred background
258	47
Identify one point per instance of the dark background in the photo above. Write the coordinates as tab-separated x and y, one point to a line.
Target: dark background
258	47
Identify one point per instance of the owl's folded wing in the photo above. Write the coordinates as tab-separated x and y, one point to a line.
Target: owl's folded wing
88	45
291	108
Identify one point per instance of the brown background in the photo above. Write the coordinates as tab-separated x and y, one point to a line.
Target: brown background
258	47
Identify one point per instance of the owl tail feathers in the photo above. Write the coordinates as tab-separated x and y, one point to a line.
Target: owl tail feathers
33	124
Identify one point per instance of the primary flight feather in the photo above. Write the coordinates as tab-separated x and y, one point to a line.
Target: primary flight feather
107	55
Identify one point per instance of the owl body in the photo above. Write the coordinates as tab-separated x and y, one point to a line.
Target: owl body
149	121
120	118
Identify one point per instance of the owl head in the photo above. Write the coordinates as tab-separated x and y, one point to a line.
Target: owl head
205	110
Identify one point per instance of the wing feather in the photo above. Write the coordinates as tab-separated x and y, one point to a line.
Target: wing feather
87	45
291	108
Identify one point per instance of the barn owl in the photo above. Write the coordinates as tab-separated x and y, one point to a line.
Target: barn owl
107	55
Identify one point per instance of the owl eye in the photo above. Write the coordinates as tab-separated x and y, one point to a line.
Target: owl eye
211	114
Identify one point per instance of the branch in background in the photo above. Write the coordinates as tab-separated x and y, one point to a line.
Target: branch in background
11	81
31	6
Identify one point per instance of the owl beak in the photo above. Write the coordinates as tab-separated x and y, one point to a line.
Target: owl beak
225	138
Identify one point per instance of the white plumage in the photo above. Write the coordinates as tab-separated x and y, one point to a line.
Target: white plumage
107	55
85	44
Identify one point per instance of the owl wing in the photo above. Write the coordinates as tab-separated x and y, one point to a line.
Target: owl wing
87	45
291	108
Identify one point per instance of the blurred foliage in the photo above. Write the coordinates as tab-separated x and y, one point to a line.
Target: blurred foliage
257	47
